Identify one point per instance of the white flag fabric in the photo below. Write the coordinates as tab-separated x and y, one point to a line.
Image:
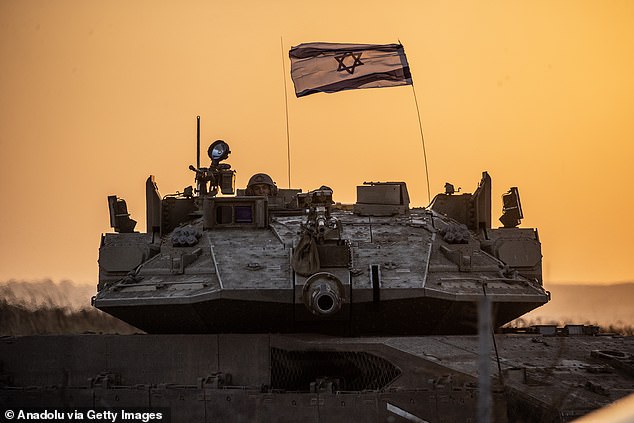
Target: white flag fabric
333	67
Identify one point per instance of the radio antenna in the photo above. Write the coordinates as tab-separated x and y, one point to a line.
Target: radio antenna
288	137
197	142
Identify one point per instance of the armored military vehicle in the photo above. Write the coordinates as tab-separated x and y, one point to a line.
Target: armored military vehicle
273	260
266	304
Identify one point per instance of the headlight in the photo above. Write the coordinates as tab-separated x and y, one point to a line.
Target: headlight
218	151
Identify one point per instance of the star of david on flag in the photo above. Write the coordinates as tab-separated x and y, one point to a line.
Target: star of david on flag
333	67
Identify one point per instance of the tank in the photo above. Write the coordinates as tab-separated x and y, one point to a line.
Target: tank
266	304
269	260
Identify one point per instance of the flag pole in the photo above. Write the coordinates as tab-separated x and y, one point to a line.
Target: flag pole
422	139
288	138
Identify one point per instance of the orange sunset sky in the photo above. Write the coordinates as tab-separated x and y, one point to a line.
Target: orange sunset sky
97	95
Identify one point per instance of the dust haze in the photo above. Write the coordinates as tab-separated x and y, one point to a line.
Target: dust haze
605	305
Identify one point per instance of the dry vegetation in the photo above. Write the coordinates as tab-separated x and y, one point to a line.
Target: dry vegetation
45	307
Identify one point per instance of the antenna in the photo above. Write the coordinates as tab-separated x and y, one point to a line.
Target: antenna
422	140
288	137
197	142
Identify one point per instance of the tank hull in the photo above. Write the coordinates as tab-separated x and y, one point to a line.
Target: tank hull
415	316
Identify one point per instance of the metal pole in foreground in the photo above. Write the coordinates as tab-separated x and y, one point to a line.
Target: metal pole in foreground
485	404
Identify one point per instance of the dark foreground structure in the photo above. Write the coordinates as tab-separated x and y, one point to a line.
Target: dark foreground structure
274	305
307	378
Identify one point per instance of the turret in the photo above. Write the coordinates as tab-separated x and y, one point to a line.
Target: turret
269	259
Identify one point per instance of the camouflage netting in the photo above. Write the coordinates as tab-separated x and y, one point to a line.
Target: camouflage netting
305	259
